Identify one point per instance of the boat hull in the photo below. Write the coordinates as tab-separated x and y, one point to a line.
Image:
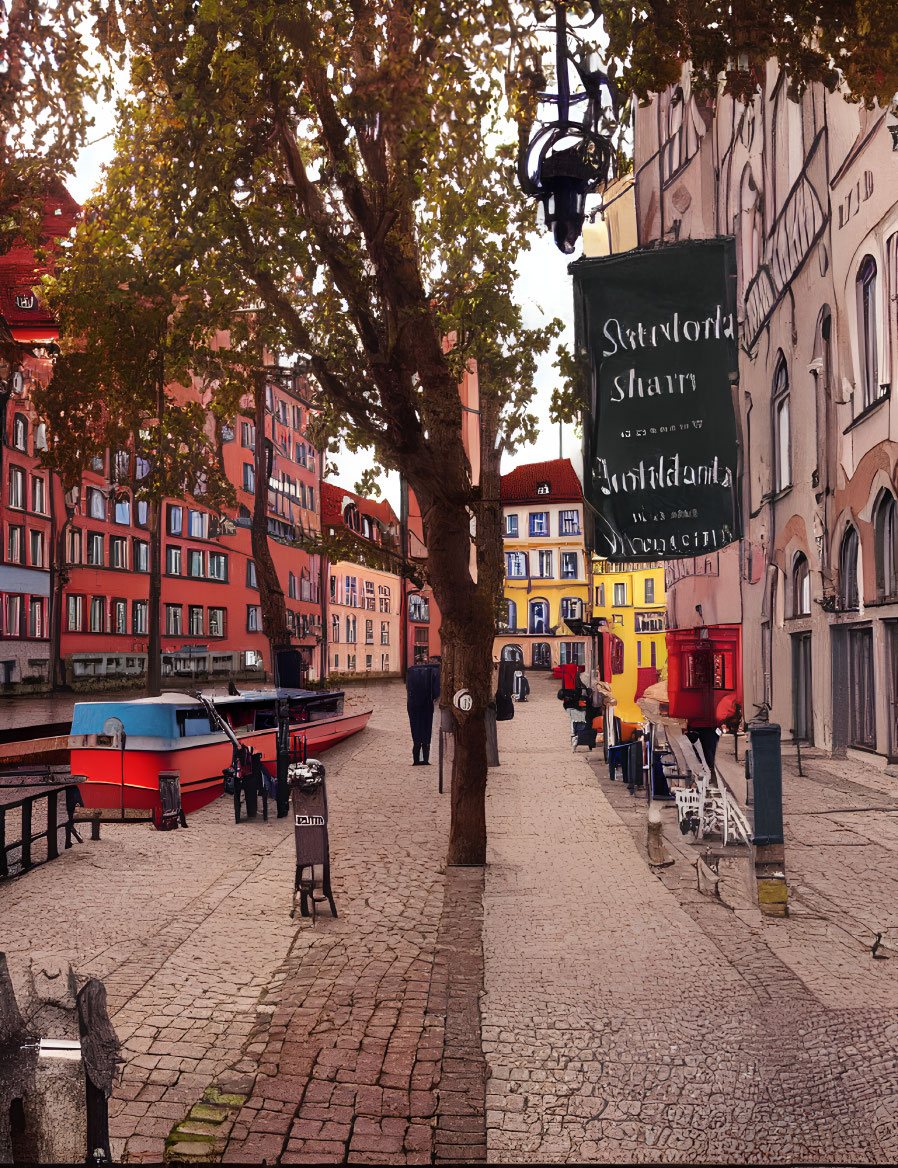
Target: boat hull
129	778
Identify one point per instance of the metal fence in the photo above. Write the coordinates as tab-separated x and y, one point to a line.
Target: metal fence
36	820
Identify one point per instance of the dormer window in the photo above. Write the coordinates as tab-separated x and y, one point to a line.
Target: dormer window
542	488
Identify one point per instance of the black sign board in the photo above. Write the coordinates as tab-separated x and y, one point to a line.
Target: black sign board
660	442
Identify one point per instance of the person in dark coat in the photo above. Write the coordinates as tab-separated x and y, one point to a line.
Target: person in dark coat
422	688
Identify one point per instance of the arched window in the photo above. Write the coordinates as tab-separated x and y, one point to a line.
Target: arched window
510	620
782	437
749	226
539	616
513	653
885	527
20	432
867	336
541	655
351	517
801	587
849	596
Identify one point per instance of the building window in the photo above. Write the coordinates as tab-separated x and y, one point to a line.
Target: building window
173	626
195	564
174	520
511	525
539	616
249	477
97	617
120	616
867	331
569	566
508	618
600	596
384	632
218	566
13	615
350	662
247	435
173	560
123	512
418	608
385	662
369	632
291	587
17	488
421	648
195	620
15	540
571	608
516	564
251	574
253	618
20	432
351	593
142	513
35	617
539	522
335	628
545	565
848	587
217	622
38	495
384	597
369	595
141	555
801	587
649	590
118	552
74	613
569	523
95	549
649	622
73	546
140	617
782	439
96	503
350	630
542	488
197	524
369	660
886	535
620	595
573	653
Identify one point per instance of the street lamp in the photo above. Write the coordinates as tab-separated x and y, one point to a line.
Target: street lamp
566	160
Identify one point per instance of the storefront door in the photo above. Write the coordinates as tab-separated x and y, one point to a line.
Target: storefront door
802	703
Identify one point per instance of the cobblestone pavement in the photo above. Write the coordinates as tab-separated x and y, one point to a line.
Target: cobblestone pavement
625	1017
629	1019
189	930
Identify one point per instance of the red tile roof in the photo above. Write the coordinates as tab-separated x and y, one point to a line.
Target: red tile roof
520	485
333	501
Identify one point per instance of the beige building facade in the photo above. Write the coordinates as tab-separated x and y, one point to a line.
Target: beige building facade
809	190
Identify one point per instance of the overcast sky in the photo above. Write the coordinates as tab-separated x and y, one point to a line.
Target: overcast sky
544	289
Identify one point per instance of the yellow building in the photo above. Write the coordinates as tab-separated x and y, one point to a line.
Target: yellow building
631	599
546	566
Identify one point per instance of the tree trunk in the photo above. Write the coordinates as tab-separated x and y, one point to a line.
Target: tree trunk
466	636
154	616
468	610
271	594
58	579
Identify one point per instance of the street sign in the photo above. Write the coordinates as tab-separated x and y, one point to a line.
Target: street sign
660	464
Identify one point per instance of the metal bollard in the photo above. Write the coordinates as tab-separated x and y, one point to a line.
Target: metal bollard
767	786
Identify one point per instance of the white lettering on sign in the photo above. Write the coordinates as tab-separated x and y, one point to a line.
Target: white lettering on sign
645	336
310	821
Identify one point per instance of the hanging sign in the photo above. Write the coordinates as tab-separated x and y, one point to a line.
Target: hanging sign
660	443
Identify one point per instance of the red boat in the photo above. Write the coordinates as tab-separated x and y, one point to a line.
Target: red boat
121	747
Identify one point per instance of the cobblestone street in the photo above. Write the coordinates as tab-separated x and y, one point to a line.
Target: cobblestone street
623	1017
